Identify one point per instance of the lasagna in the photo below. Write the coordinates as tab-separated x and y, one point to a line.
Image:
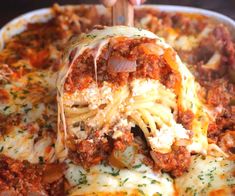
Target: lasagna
188	104
122	84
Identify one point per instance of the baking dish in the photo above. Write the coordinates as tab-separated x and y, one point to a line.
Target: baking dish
18	24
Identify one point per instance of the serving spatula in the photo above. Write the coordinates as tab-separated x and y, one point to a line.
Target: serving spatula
123	13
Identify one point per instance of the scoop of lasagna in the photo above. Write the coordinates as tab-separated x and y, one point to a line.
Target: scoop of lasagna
124	92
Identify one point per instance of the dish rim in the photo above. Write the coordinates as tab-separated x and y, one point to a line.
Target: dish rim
18	24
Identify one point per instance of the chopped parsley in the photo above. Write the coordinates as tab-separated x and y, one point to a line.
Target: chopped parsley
141	185
82	179
168	179
41	75
26	110
48	126
188	189
201	177
91	36
141	192
137	166
25	91
6	108
41	160
22	97
154	182
123	182
14	94
114	173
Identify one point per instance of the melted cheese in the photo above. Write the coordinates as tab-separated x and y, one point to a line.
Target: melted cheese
166	136
104	179
190	101
30	97
207	176
185	43
21	144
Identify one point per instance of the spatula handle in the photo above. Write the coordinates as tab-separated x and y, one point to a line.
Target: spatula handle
123	13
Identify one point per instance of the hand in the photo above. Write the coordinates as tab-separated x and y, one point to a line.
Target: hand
110	3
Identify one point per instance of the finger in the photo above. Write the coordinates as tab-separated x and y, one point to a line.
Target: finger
136	2
108	3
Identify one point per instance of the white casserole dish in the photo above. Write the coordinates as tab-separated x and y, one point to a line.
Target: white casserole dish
18	24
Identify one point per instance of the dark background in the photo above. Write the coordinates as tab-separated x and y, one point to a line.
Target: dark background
12	8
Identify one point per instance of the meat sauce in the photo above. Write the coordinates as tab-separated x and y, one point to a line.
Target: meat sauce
91	151
135	51
218	82
7	121
175	162
23	178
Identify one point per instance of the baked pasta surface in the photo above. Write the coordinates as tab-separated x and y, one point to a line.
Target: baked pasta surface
29	65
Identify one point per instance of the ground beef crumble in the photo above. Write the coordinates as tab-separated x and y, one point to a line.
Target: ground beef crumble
24	178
